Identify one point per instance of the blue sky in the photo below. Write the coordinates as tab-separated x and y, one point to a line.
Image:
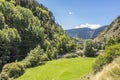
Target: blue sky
80	13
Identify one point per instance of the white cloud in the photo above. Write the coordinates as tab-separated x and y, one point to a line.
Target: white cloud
92	26
70	13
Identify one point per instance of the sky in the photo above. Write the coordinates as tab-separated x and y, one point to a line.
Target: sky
83	13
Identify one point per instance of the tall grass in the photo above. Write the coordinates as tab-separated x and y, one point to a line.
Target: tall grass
110	72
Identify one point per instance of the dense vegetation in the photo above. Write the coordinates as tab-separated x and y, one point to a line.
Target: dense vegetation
108	56
89	48
28	32
29	36
112	45
62	69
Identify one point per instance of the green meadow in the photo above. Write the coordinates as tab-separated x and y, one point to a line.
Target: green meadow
62	69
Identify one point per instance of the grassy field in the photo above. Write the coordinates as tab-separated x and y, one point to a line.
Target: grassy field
62	69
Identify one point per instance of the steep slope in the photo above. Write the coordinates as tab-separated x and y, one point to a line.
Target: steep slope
98	31
109	72
112	31
106	65
85	33
26	25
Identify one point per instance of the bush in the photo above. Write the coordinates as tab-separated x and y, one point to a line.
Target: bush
35	57
13	70
113	40
4	77
44	58
107	57
70	55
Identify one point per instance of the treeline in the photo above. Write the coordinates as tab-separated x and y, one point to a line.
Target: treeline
28	32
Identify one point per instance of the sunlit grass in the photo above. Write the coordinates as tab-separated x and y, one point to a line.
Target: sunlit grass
62	69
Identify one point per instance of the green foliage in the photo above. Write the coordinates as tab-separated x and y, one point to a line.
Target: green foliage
4	77
70	55
44	57
89	48
34	57
54	53
9	45
31	31
51	52
13	70
2	21
110	53
35	24
113	40
66	44
26	24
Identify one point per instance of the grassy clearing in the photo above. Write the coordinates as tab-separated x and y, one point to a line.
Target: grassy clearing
62	69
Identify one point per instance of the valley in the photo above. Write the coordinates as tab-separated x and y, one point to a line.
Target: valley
34	44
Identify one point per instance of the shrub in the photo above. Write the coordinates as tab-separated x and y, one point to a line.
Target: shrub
44	58
13	70
34	58
107	57
70	55
4	77
113	40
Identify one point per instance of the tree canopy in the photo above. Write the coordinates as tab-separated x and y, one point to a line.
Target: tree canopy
25	24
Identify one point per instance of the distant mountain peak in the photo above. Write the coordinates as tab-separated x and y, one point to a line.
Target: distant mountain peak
85	32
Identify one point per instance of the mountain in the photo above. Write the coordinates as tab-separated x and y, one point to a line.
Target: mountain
85	33
113	30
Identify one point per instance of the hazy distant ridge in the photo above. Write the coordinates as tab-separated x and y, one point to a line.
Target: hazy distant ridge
85	33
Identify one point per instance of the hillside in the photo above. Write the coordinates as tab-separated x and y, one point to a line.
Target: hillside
62	69
110	71
112	31
27	26
33	46
85	33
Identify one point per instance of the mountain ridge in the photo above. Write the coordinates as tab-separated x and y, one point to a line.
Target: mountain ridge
85	33
113	30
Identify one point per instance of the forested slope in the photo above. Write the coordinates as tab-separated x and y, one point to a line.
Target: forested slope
27	26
